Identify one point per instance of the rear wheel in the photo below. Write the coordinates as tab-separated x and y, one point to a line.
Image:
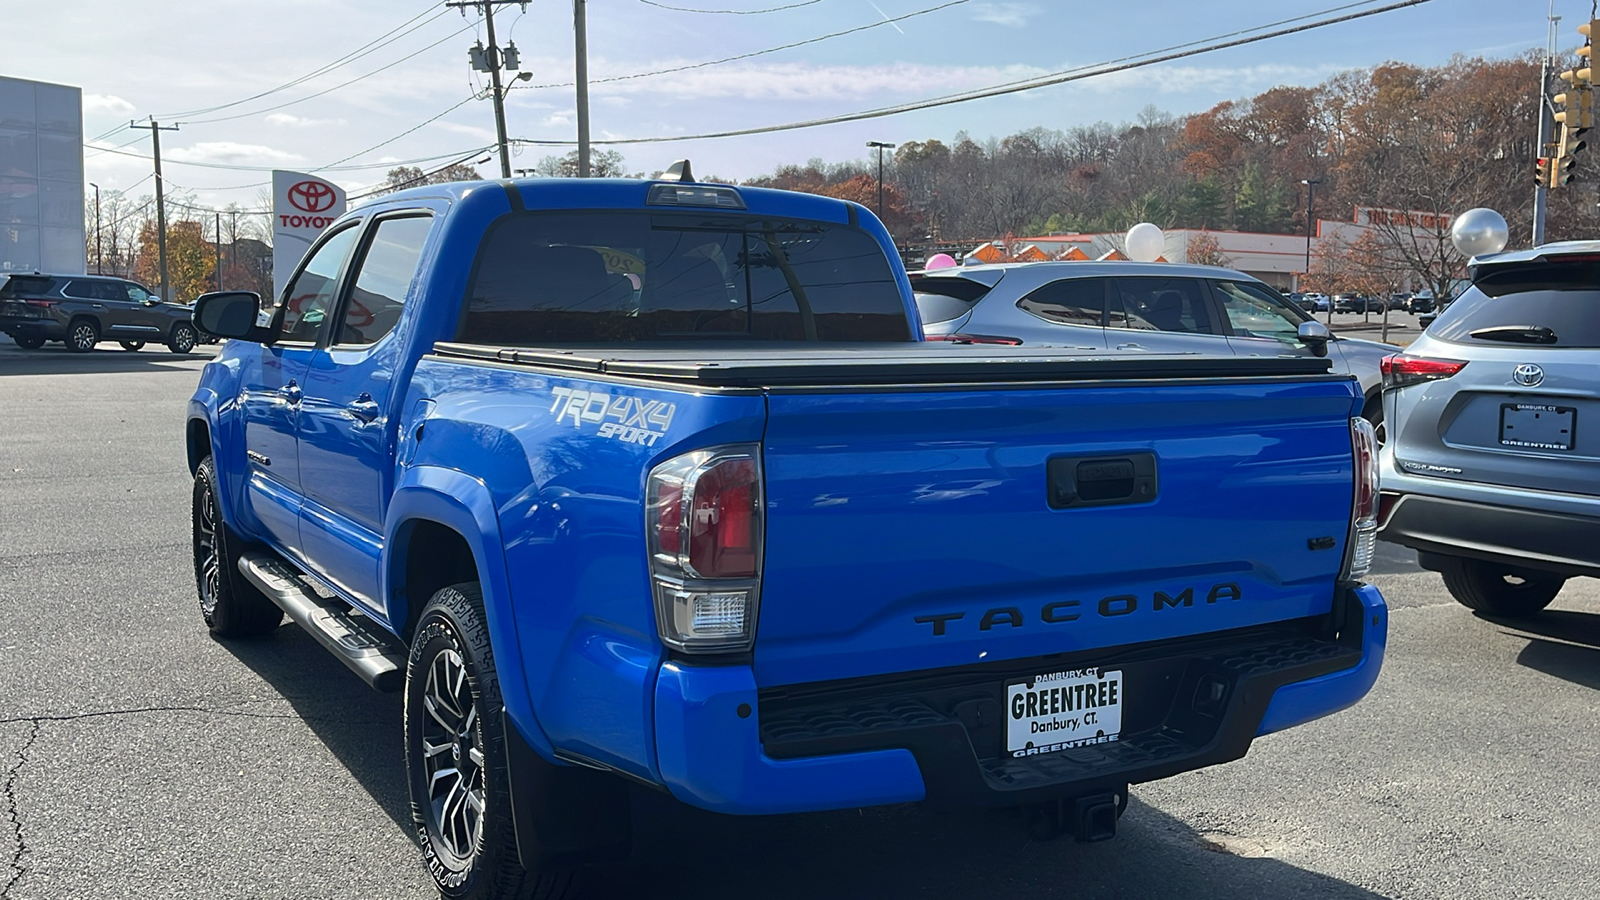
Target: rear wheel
1497	588
230	605
456	758
82	336
131	346
183	338
29	341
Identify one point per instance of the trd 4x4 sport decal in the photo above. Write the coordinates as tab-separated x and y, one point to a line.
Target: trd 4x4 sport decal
628	419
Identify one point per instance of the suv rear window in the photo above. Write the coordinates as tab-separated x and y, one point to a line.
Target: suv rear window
1544	304
606	277
24	285
946	297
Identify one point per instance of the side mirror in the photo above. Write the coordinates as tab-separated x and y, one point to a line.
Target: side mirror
1315	336
232	314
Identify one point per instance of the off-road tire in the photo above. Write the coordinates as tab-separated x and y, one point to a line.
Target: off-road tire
29	341
183	338
231	606
1497	588
478	858
82	335
131	346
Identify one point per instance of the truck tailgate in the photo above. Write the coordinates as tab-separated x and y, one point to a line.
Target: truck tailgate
913	529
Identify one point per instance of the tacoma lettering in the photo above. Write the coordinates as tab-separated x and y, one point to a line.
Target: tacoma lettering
1111	607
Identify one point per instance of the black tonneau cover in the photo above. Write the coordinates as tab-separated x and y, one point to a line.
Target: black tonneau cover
770	364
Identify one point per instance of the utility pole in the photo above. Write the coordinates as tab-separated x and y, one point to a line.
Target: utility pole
580	35
492	60
881	147
1541	193
218	214
155	130
97	266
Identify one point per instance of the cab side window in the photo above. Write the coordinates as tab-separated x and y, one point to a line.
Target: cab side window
387	270
310	297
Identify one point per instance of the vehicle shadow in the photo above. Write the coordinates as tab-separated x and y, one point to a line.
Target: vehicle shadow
108	359
909	851
361	727
1567	646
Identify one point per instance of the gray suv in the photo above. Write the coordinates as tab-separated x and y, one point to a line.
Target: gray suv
1491	469
83	310
1136	307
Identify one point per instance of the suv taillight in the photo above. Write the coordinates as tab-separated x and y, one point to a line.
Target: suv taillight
1400	370
1363	541
42	304
704	525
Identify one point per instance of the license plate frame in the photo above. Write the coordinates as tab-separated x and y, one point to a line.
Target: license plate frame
1536	432
1081	707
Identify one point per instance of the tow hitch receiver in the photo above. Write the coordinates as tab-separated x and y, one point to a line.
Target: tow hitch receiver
1089	818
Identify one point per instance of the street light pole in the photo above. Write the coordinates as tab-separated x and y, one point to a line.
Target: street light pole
1311	192
881	147
97	266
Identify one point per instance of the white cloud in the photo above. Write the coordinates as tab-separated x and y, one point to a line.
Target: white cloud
232	153
483	134
1011	15
291	121
106	103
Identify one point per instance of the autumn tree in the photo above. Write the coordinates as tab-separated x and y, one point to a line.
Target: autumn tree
1205	250
602	164
191	260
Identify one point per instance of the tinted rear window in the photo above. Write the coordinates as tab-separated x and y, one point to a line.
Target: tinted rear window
940	299
24	285
1545	304
607	277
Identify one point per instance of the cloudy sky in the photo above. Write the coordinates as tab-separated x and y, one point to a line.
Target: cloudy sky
219	67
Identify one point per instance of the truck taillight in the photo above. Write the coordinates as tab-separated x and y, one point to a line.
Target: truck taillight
704	524
1400	370
1363	541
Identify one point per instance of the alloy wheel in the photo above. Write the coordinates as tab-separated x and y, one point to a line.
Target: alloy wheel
452	756
208	565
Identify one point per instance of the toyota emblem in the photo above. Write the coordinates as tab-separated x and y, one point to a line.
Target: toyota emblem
311	196
1527	375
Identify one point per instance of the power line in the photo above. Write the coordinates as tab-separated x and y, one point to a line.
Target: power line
397	137
364	50
753	54
1078	74
330	90
411	182
731	12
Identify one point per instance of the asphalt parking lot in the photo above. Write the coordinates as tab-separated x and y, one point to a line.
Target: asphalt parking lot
139	757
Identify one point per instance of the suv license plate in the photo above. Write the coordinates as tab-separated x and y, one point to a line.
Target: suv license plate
1062	710
1537	426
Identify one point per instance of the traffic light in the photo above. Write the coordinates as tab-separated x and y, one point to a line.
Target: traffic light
1574	112
1541	176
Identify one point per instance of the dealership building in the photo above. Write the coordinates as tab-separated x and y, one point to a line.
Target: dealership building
41	177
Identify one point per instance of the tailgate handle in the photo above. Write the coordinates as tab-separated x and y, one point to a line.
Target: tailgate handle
1101	480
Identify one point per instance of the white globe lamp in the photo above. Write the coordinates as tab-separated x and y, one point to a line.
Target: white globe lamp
1145	243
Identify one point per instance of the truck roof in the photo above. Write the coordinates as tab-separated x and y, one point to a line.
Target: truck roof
631	193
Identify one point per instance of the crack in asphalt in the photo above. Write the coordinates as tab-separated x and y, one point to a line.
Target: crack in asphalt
8	790
37	723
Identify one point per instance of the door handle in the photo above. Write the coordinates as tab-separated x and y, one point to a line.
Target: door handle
291	392
97	306
364	410
1129	347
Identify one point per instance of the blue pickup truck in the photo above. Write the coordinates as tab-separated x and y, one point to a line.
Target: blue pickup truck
654	483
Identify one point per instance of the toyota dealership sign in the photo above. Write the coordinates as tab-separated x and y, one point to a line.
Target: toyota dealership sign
302	207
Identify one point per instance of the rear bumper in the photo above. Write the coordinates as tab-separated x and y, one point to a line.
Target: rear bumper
47	328
1547	530
1548	541
724	745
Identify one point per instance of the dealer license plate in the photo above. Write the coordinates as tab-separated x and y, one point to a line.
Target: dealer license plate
1062	710
1537	426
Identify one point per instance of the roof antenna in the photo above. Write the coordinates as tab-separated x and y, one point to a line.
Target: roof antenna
678	171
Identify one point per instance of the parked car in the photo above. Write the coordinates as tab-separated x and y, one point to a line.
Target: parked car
1493	435
1399	302
730	529
1314	302
83	310
1136	307
1355	303
1419	303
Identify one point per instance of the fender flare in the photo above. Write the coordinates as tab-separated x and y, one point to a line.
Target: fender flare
464	504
